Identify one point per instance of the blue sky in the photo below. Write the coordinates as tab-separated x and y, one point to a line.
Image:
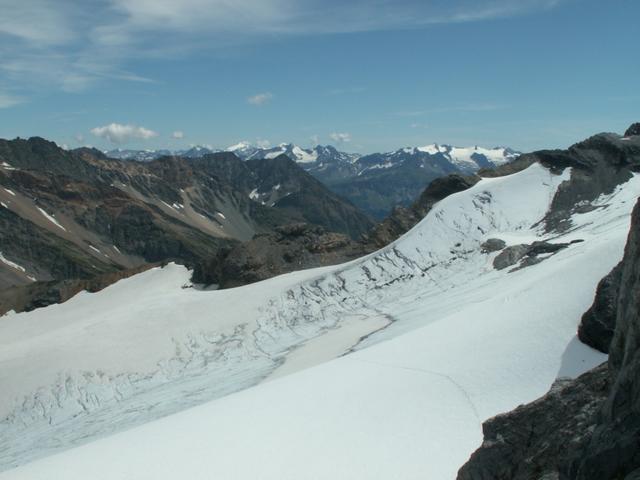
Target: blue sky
362	75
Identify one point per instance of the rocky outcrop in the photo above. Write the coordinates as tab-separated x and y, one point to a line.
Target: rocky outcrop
614	449
510	256
523	254
492	245
530	442
598	165
290	248
588	428
598	323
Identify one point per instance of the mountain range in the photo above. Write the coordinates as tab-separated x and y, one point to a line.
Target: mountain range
375	183
76	216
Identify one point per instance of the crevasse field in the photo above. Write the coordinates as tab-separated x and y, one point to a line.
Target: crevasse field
384	367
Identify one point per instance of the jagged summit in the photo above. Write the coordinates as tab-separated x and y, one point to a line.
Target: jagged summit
633	130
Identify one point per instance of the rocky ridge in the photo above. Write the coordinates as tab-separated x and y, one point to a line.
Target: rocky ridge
77	215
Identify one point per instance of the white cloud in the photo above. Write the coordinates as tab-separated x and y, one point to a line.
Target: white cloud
262	143
315	140
79	138
340	137
118	133
260	99
178	134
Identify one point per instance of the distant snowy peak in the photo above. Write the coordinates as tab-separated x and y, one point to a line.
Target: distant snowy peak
316	155
137	155
466	159
196	151
244	150
474	155
321	157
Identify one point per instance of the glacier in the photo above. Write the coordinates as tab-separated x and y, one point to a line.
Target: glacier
384	367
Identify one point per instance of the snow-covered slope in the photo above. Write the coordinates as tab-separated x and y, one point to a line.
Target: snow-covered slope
442	341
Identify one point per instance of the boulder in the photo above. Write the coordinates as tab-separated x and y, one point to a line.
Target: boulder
492	245
510	256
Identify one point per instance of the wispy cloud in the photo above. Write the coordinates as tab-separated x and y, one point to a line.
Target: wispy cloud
301	16
260	99
72	46
118	133
178	134
340	137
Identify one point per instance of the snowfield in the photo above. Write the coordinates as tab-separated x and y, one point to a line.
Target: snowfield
384	367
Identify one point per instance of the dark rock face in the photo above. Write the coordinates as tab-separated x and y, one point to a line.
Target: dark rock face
44	254
598	323
120	215
289	248
614	449
633	130
519	164
588	428
302	196
525	254
527	443
599	164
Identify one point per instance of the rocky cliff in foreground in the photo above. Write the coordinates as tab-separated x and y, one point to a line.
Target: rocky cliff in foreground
588	428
